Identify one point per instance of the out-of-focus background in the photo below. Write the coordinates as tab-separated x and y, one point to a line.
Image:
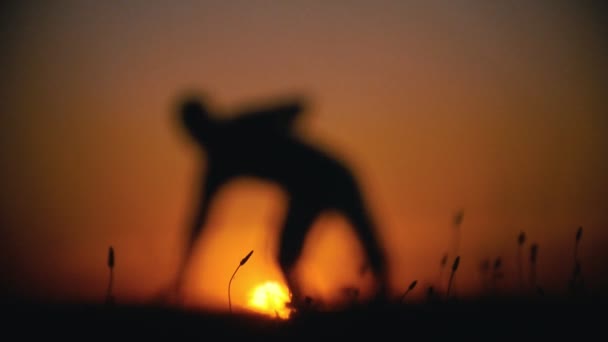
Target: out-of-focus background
494	108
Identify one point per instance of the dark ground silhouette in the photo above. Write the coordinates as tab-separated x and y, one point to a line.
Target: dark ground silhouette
262	143
484	319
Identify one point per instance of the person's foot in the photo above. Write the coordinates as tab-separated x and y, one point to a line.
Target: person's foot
294	304
302	306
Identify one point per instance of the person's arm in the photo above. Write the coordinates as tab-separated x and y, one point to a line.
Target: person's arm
210	183
207	193
208	189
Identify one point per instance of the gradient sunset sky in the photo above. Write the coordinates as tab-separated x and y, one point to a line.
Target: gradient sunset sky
497	108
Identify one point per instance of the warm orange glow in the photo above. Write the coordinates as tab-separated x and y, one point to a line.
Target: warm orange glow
271	298
497	108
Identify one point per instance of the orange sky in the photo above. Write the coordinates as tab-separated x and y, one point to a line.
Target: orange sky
495	108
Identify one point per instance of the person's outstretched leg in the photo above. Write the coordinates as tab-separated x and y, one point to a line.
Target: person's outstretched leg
300	217
367	234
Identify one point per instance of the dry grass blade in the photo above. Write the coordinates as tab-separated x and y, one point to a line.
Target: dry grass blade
109	295
455	265
243	261
111	257
454	268
533	253
412	285
521	238
410	288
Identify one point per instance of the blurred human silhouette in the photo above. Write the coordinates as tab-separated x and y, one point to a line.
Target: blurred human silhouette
262	143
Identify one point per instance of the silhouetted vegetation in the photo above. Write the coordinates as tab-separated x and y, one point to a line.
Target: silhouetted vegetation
454	268
497	274
442	265
576	282
243	261
521	239
545	315
109	294
410	288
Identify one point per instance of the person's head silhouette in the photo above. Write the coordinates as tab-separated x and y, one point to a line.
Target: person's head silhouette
194	115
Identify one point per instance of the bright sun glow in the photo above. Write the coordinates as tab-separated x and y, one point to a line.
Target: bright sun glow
270	298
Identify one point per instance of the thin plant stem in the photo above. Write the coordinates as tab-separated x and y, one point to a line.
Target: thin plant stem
230	284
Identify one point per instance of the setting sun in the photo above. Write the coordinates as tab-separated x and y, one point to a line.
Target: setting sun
271	298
